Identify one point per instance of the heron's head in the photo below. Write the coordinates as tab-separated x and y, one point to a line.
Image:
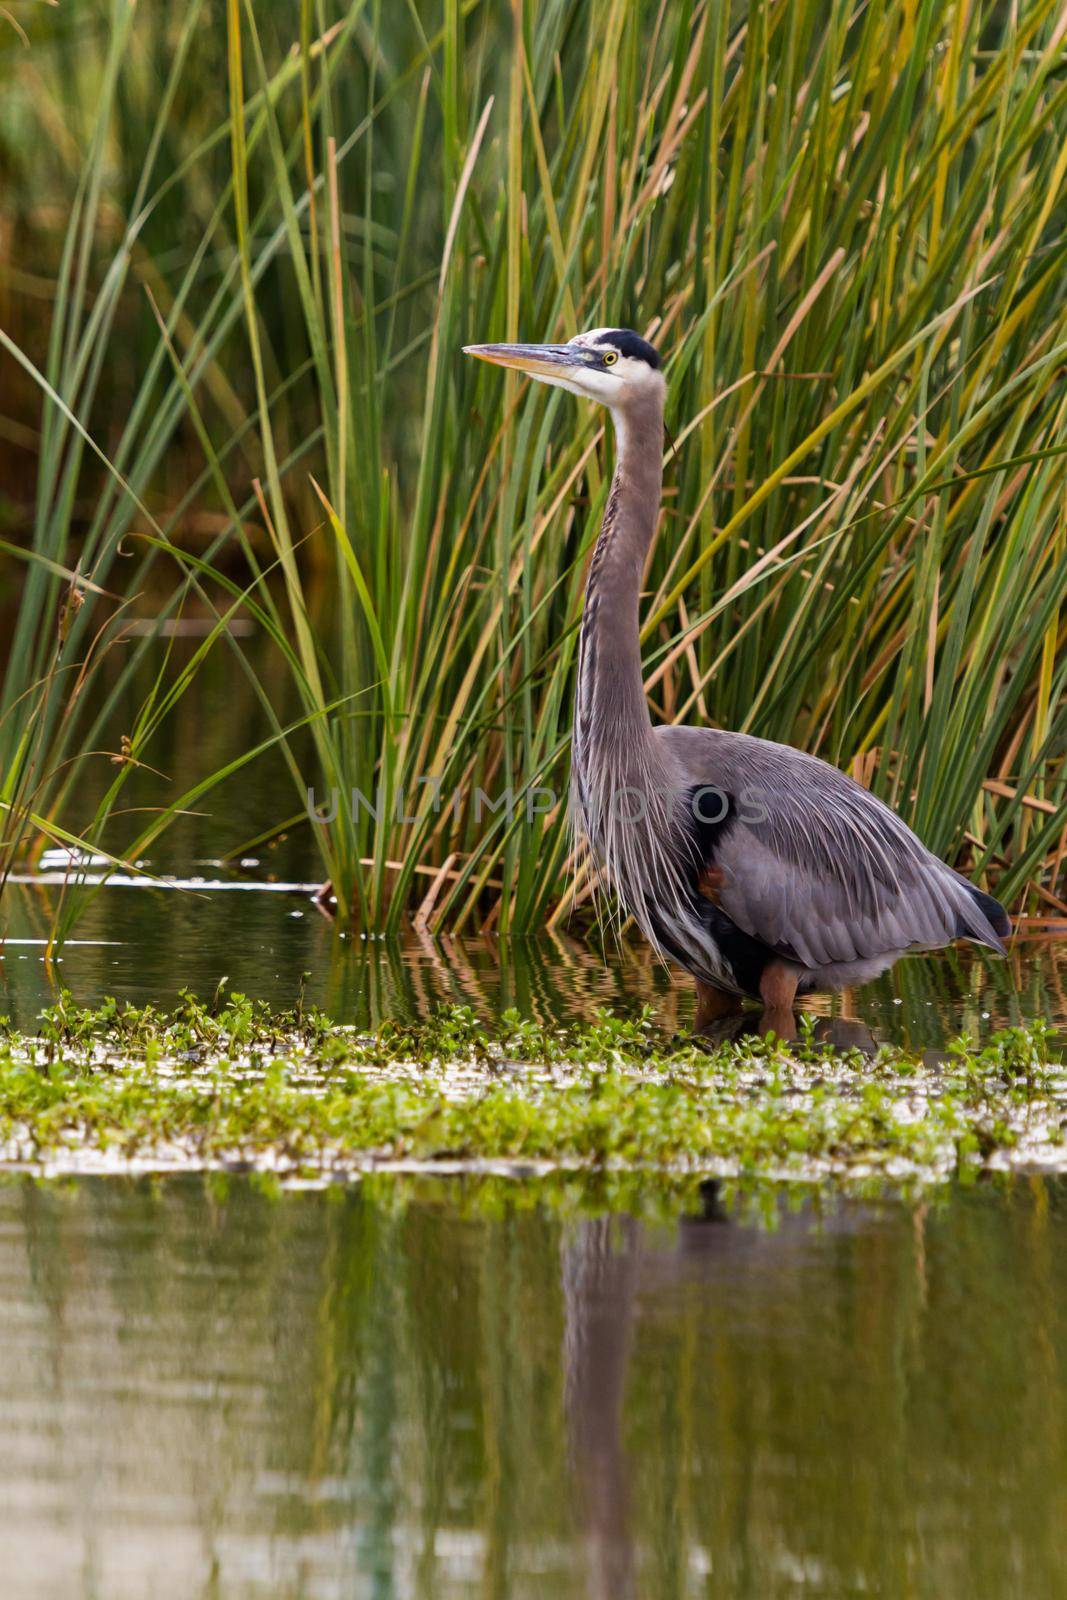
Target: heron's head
613	365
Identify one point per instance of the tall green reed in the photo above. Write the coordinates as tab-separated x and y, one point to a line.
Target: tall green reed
845	230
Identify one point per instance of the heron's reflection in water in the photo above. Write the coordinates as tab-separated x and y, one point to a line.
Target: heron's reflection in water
616	1273
601	1262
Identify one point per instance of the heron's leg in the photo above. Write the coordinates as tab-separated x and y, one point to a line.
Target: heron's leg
712	1003
778	986
779	1020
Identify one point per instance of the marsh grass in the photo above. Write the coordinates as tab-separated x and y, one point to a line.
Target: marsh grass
844	228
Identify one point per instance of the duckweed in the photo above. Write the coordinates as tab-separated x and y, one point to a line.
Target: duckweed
232	1084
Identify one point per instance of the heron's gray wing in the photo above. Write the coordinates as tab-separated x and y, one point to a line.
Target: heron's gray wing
809	862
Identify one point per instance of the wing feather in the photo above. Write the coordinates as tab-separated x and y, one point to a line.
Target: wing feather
815	866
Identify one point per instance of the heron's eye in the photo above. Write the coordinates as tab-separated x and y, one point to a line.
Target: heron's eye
610	358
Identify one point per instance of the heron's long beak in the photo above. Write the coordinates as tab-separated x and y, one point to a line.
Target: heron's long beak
539	360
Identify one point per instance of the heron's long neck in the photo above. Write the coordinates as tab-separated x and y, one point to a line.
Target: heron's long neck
612	725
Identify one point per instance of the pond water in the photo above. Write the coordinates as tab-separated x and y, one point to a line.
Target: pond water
438	1389
145	945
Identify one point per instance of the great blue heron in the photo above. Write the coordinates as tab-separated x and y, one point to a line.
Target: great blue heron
762	871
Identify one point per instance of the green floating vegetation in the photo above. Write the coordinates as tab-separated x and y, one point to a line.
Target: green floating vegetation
234	1084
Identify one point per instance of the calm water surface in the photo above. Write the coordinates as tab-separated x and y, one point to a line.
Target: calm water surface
147	944
433	1391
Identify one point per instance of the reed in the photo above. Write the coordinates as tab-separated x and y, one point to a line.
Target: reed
845	229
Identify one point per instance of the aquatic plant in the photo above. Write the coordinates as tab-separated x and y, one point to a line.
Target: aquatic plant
233	1083
846	232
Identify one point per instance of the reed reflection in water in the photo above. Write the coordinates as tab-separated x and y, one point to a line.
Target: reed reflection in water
439	1389
145	946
